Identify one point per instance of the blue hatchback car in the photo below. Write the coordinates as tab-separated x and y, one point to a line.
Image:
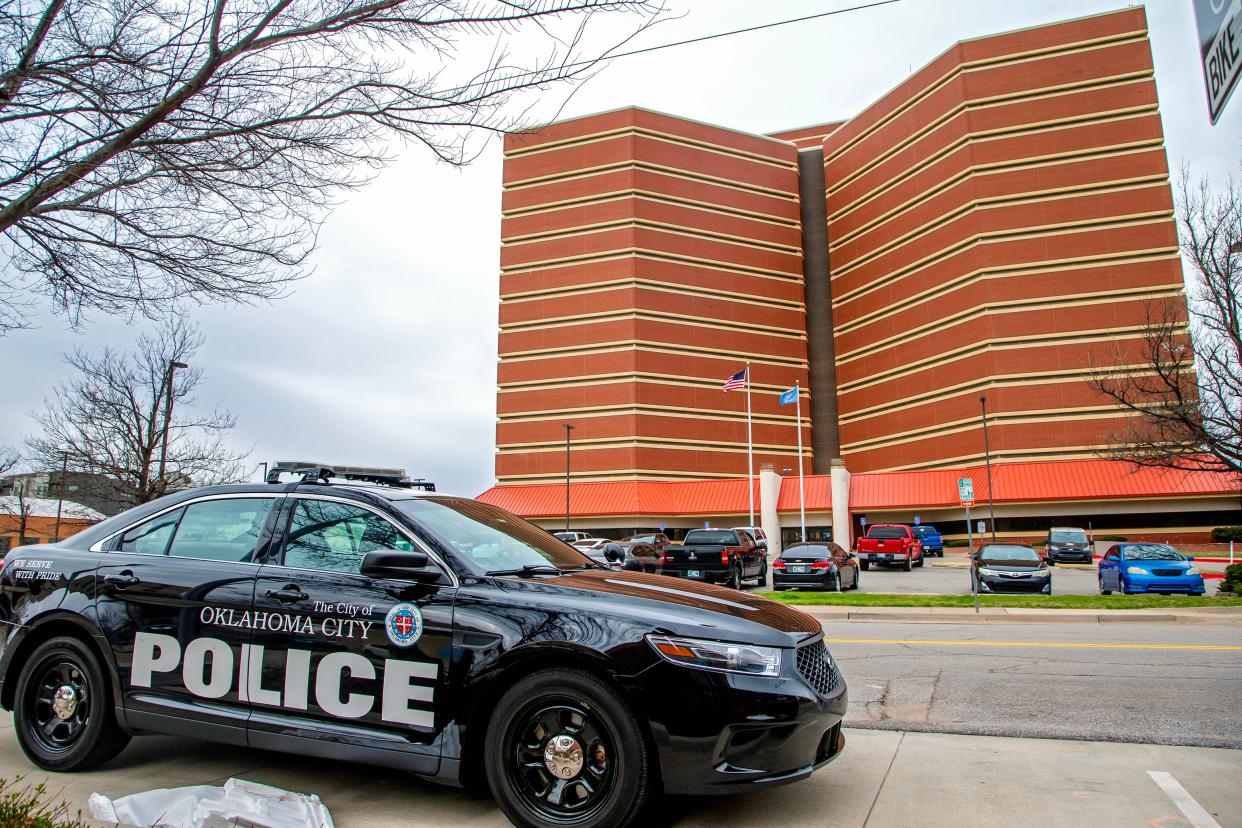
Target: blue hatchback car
1148	567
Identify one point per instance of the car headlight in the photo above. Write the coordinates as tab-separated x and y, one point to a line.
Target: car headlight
1136	570
716	655
1194	570
983	570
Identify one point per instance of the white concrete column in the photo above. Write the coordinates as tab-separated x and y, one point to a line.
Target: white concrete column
769	518
841	527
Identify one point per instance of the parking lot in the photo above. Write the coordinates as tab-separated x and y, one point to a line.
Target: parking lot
950	575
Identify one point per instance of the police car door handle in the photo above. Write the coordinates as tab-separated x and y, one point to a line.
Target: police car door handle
289	595
125	579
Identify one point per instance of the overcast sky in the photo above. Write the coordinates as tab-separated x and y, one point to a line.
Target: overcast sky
386	354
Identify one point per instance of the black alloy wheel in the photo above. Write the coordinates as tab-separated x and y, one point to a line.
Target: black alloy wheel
563	749
1104	591
866	566
62	714
735	579
907	566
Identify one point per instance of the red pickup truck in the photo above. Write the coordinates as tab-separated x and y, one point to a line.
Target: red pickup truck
889	544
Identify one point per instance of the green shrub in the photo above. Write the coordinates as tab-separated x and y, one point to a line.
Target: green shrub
1232	581
32	808
1111	538
955	543
1224	534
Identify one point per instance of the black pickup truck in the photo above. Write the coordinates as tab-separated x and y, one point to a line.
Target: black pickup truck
718	556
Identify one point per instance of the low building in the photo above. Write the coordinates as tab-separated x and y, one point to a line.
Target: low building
30	520
1103	496
96	491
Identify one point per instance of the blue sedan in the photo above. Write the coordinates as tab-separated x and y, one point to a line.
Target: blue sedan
1148	567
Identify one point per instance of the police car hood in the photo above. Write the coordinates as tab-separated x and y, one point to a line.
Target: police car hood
676	605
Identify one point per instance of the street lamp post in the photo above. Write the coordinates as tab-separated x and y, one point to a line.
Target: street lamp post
568	429
987	459
173	365
60	494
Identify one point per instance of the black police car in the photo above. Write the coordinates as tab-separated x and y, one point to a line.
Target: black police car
363	620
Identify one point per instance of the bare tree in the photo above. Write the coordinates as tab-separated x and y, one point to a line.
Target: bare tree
111	419
161	150
9	458
1186	394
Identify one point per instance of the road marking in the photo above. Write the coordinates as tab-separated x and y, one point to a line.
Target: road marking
1196	813
1073	644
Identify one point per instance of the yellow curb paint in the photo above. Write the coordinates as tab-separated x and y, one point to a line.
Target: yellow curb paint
1071	644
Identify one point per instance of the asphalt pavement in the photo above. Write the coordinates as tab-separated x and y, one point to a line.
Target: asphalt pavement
1150	683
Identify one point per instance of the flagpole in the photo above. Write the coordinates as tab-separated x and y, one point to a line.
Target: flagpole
801	482
750	452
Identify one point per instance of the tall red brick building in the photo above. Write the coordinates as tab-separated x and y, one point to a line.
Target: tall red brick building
996	225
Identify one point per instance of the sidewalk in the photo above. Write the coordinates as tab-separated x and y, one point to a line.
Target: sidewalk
1016	615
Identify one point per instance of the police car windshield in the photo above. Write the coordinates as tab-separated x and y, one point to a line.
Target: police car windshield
491	539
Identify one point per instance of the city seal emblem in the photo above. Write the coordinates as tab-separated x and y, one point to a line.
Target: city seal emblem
404	624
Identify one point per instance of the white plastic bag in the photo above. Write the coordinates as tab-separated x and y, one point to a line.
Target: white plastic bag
239	803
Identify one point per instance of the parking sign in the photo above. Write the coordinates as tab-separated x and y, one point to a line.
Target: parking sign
966	491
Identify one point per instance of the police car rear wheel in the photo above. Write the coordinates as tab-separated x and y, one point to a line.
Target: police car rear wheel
563	749
63	717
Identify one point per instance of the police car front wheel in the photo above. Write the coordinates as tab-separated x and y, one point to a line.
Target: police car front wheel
563	749
63	715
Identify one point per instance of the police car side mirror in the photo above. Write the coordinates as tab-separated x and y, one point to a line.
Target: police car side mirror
407	566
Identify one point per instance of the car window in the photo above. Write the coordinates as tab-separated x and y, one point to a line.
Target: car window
490	538
1153	552
1009	553
221	530
886	532
710	536
806	551
333	536
151	537
1068	536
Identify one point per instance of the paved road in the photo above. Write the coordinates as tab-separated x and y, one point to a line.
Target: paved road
884	779
951	576
1075	681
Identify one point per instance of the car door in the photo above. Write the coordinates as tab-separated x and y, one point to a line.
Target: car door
345	659
752	557
845	566
174	598
1110	569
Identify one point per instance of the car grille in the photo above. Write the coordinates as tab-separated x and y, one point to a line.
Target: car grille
1167	573
816	668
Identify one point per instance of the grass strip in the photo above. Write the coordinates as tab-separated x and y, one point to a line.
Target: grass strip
1085	602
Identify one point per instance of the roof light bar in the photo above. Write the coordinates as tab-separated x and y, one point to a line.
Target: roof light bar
322	473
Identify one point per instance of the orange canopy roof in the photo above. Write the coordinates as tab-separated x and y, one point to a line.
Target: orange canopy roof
1034	482
649	497
1015	482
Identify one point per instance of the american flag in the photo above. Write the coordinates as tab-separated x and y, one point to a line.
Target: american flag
736	381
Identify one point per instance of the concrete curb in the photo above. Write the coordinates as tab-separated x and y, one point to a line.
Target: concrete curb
1004	615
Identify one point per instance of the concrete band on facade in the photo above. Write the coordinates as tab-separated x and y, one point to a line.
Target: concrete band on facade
1000	223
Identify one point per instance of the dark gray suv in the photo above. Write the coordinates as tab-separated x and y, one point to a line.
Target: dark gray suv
1068	545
